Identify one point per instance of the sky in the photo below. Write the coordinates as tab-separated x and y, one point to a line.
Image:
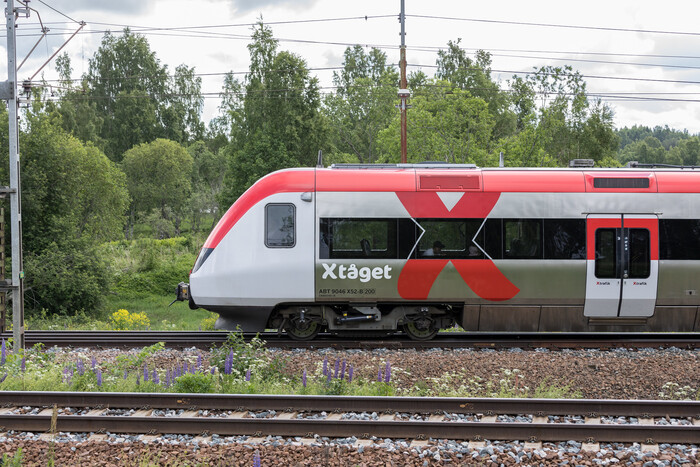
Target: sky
641	58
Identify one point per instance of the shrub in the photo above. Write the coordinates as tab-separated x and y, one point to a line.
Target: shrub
123	320
194	382
207	324
65	279
245	355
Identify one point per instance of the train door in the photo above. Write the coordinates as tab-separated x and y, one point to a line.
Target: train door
623	266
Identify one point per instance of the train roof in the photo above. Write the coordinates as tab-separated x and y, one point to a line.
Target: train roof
468	177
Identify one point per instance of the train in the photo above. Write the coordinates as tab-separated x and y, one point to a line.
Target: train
363	250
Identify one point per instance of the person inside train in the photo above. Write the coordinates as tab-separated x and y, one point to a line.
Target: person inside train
474	251
366	249
436	250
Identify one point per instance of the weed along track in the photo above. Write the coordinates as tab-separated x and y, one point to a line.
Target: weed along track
460	419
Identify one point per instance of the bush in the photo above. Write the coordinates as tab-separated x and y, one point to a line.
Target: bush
148	266
122	320
65	279
194	383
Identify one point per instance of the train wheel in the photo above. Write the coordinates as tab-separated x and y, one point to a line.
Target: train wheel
420	329
301	329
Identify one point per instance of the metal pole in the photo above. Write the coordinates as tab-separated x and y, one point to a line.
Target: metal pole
403	86
15	209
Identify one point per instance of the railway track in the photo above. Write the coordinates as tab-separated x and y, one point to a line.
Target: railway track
465	419
205	339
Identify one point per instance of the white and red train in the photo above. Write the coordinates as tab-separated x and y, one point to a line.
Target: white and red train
380	248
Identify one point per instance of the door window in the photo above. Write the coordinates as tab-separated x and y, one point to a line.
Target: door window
606	254
639	261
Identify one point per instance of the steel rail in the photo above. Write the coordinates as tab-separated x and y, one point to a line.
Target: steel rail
475	431
334	427
205	339
286	402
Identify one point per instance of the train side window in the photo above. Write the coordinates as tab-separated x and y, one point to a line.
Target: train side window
678	239
522	238
565	239
639	259
280	220
358	238
606	254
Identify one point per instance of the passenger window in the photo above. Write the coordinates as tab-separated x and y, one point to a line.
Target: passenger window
280	225
450	238
678	239
358	238
565	239
523	238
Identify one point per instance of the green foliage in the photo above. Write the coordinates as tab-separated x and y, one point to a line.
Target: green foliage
65	279
445	125
363	105
69	190
246	355
158	176
207	324
147	266
126	361
278	124
14	460
197	383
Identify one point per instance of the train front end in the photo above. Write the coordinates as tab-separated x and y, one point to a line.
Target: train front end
259	254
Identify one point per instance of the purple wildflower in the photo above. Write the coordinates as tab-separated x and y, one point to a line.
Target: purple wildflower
342	370
199	361
3	353
67	374
193	370
379	376
228	364
303	378
145	373
325	366
186	370
350	371
387	372
81	367
126	374
3	377
330	376
213	370
23	365
256	459
336	368
93	363
138	379
156	379
247	374
99	377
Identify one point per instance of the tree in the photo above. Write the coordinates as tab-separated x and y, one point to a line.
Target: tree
280	113
207	181
363	103
260	156
159	178
73	197
455	67
127	83
182	118
445	125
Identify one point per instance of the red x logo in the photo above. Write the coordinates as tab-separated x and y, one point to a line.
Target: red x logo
481	275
